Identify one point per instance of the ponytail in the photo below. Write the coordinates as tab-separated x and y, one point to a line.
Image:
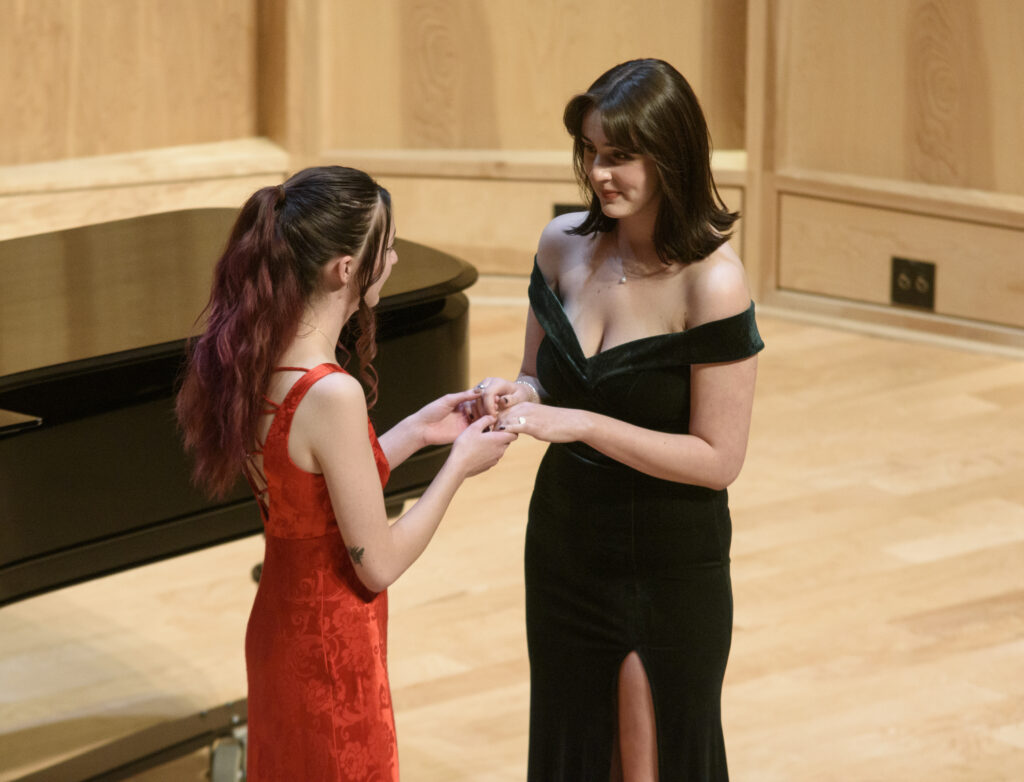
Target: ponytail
268	272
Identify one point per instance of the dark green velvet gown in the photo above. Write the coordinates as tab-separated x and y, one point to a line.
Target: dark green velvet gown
618	561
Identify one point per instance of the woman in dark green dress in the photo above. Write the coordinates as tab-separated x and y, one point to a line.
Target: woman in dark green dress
639	368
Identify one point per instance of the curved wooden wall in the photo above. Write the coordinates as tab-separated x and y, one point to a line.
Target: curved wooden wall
119	108
97	78
457	104
926	91
894	109
464	74
889	129
334	81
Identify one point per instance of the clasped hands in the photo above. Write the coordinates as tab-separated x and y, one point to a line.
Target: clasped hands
518	410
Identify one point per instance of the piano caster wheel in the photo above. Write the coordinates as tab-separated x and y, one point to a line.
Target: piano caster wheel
227	760
257	570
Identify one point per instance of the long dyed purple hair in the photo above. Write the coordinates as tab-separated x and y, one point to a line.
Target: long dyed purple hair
262	283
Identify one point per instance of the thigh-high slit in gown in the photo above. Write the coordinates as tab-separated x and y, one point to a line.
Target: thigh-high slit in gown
617	561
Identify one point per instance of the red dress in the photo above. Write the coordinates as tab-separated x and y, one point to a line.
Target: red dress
316	645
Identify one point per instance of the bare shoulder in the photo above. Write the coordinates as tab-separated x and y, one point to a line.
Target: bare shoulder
716	288
337	397
558	250
333	411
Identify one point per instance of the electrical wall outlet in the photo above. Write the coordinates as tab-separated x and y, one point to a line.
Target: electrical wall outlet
913	283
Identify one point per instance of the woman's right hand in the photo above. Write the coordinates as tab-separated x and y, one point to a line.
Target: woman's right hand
496	394
479	447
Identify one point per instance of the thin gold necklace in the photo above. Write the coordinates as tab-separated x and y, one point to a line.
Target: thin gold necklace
311	326
643	274
622	268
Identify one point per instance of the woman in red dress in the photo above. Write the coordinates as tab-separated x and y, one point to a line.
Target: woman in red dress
264	394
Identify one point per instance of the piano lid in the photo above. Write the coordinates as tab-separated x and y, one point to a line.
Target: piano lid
92	477
11	422
101	289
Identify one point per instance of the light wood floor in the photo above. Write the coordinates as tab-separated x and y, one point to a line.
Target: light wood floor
878	567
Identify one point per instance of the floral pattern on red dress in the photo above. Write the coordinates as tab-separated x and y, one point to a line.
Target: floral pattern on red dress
316	645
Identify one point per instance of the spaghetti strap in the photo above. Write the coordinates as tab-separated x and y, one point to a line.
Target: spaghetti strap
253	474
285	409
276	442
301	386
272	406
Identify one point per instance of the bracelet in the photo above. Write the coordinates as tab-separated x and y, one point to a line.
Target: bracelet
530	386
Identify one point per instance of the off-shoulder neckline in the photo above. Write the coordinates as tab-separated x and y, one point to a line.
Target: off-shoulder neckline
667	336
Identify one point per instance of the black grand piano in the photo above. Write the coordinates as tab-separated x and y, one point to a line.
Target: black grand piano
93	479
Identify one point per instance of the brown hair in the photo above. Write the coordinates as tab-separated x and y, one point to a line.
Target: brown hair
648	108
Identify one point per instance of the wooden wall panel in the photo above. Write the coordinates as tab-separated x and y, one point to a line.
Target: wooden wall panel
424	74
722	86
845	250
926	91
36	213
492	223
735	200
46	197
90	78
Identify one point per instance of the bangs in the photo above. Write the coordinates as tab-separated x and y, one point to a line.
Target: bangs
619	126
649	109
618	121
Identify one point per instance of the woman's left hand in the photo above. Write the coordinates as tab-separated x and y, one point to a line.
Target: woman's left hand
446	418
542	422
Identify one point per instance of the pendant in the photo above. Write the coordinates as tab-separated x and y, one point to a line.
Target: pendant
622	280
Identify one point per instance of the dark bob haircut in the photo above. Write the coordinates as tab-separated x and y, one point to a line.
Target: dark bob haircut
648	108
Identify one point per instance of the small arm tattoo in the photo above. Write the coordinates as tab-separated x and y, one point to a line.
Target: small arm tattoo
356	552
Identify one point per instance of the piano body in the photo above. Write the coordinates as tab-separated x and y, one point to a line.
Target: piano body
93	479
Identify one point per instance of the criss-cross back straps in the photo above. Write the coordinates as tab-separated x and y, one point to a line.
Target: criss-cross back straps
253	474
